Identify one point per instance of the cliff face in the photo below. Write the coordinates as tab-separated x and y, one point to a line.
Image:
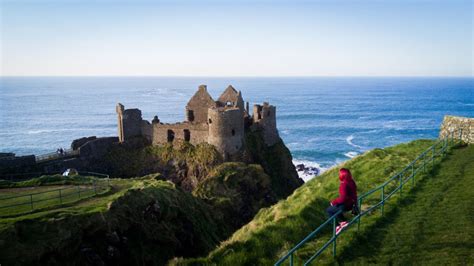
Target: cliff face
182	163
276	161
187	165
261	177
237	191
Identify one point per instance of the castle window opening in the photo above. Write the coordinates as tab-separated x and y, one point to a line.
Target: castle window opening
210	121
190	115
259	115
228	103
187	135
268	114
170	135
233	132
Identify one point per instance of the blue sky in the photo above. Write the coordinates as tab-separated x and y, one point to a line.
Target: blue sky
237	38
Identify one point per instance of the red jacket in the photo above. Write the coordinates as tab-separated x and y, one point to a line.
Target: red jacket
347	190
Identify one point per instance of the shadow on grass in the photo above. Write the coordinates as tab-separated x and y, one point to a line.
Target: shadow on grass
371	240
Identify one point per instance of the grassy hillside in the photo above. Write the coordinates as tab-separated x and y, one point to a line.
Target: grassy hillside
47	192
433	225
141	221
275	230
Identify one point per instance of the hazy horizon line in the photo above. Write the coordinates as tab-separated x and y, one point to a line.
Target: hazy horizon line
237	76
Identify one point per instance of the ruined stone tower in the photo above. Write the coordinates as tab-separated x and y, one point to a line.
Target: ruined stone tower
221	123
129	122
264	116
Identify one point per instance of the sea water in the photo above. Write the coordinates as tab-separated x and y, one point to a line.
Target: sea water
323	121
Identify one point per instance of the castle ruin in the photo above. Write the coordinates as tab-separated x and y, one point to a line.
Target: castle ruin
221	123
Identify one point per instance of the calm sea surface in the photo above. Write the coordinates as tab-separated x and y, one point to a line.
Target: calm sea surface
323	121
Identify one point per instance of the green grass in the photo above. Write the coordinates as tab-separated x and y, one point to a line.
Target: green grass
433	225
157	220
275	230
45	192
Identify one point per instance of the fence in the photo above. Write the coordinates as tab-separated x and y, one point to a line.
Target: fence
55	155
19	204
387	190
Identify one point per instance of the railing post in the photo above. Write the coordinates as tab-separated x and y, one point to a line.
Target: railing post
31	201
60	197
433	155
413	174
424	163
360	216
401	184
335	237
291	259
443	148
95	188
79	191
383	198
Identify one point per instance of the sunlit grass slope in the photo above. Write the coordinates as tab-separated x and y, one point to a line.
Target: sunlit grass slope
276	229
433	225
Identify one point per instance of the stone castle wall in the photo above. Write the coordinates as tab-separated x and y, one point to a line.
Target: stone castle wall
463	128
196	109
130	122
192	132
226	130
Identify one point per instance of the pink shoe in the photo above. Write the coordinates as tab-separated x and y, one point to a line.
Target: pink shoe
338	229
341	226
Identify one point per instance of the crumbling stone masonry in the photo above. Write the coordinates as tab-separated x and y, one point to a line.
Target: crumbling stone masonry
462	126
221	123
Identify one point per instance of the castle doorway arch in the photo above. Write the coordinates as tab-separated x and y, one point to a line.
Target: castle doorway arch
170	135
187	135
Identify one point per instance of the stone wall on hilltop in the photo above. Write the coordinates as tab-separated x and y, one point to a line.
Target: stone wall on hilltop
463	128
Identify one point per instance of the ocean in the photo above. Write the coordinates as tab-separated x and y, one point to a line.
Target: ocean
323	120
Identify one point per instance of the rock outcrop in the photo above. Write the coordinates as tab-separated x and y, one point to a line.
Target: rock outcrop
461	127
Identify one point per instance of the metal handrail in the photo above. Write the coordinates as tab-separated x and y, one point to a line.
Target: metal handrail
384	197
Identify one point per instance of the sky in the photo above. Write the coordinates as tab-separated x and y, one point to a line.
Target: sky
236	38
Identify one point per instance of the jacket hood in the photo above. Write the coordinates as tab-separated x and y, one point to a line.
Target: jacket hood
345	174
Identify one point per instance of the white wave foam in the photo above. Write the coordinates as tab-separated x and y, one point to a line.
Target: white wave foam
41	131
308	176
349	141
351	154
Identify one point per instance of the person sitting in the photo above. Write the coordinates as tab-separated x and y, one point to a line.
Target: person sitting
347	199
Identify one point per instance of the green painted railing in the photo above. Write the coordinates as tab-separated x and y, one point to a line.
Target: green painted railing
19	204
387	190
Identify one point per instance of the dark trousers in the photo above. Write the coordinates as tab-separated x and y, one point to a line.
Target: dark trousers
333	209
